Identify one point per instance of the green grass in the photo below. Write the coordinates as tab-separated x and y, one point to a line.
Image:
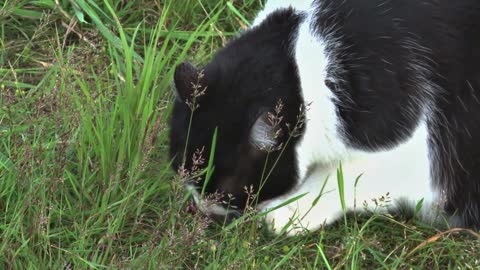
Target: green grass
85	181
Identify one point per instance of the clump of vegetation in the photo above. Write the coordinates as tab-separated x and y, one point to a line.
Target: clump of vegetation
85	182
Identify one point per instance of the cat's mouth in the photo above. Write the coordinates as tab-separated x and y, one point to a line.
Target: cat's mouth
215	210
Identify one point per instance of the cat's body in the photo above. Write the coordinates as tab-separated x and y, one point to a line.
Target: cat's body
389	89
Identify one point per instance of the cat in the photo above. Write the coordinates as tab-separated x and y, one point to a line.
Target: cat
384	94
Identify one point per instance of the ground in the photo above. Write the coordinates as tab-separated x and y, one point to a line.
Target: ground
85	182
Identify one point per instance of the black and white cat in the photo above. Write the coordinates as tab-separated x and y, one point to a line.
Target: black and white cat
388	88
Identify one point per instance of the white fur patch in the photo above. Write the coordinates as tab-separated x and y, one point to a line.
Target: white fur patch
400	173
322	141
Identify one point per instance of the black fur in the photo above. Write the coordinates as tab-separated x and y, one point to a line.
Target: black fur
384	96
393	61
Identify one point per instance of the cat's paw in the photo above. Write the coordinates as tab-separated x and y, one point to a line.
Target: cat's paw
285	219
292	220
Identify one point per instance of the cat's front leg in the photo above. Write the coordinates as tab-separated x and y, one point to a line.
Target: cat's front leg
312	204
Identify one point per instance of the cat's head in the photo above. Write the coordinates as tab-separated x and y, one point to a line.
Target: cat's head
249	92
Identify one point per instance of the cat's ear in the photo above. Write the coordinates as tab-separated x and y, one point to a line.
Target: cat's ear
186	75
263	135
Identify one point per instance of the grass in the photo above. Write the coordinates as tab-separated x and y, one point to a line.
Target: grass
85	182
